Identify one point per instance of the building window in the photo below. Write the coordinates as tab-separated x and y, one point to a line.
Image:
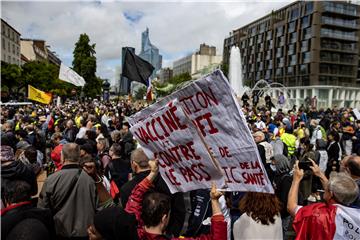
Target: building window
294	14
8	32
9	49
306	57
305	45
290	71
291	27
309	7
280	62
269	35
279	72
280	41
17	50
3	29
9	59
13	48
279	31
293	37
291	49
268	74
3	44
304	69
279	52
292	60
262	28
307	33
12	36
251	42
305	22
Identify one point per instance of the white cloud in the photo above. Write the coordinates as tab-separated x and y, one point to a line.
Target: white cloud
176	28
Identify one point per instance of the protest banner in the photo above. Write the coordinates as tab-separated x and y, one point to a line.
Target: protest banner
68	75
211	104
38	95
184	161
356	113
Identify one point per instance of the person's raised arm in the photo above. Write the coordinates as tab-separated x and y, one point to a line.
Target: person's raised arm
294	189
317	172
134	203
214	196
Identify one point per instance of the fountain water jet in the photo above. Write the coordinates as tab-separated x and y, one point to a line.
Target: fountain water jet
235	71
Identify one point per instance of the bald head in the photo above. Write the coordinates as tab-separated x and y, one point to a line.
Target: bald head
138	156
352	165
71	152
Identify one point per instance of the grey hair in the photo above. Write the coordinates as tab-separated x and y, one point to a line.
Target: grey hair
343	187
115	136
282	163
104	142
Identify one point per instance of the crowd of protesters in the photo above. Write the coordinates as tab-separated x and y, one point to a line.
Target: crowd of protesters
74	171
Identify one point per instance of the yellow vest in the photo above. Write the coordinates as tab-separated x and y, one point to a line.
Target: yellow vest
290	141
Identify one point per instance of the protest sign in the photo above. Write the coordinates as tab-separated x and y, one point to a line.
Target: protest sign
68	75
184	161
356	113
211	105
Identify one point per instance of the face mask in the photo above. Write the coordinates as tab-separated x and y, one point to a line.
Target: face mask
273	167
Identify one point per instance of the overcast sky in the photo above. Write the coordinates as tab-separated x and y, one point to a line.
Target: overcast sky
176	28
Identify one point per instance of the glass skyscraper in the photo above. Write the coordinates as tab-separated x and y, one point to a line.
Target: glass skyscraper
149	52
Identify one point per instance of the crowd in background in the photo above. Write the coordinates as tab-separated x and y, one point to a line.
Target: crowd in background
74	171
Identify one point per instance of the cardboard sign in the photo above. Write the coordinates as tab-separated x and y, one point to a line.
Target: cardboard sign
184	161
211	104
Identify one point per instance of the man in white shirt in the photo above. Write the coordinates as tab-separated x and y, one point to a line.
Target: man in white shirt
259	123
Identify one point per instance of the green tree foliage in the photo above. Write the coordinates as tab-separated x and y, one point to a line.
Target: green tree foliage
39	74
44	76
225	69
140	93
84	64
174	83
10	77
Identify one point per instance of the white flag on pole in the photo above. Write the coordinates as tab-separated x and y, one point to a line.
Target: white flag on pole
68	75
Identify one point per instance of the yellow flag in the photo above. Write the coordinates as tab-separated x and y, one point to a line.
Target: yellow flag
38	95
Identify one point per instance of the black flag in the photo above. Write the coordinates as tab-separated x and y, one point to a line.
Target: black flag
136	69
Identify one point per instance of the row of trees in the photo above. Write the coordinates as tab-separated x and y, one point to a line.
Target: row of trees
44	75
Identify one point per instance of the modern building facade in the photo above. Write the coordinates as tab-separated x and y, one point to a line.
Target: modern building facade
196	62
10	44
149	52
165	74
306	43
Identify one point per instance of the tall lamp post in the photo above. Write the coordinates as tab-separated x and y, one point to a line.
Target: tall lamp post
106	92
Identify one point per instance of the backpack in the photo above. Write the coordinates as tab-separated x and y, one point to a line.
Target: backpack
269	151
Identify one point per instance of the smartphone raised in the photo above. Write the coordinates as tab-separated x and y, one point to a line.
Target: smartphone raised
305	165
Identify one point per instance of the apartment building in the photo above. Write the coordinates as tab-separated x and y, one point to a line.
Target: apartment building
306	43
